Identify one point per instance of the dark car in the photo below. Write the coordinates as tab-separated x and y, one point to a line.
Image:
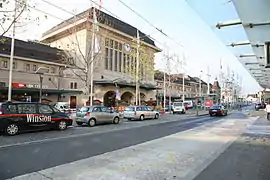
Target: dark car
16	117
260	106
218	110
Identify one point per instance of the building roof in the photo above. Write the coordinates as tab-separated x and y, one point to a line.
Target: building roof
105	19
29	49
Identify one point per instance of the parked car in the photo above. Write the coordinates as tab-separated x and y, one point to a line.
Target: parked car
259	106
140	113
179	107
93	115
16	117
218	110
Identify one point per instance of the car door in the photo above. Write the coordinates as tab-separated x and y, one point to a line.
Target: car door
28	112
107	114
151	112
98	115
46	115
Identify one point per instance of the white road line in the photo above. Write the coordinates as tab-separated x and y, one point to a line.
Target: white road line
82	135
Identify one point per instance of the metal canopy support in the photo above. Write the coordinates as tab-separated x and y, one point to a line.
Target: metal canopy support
228	23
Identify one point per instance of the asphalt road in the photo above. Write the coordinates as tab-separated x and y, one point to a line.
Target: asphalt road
22	158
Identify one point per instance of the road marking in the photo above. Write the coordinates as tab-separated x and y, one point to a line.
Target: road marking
86	134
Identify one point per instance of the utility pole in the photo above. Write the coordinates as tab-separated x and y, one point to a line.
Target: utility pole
200	84
12	53
169	85
137	98
183	79
221	82
164	89
92	59
208	80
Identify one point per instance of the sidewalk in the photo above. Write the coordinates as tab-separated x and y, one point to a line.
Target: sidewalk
179	156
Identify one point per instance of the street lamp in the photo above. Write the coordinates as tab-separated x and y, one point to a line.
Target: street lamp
41	71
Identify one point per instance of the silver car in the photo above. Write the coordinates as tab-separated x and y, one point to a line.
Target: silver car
140	113
93	115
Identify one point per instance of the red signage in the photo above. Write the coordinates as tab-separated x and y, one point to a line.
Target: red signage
208	103
18	85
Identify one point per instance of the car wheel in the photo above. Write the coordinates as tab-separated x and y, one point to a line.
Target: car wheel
211	114
92	122
79	123
142	117
12	129
62	125
156	116
129	119
183	111
116	120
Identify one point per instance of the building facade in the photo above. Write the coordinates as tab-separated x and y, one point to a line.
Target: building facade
114	58
28	57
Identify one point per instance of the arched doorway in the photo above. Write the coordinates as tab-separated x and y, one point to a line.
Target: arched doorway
109	99
127	97
142	98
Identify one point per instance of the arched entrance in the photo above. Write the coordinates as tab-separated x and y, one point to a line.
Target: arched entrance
109	99
142	98
127	97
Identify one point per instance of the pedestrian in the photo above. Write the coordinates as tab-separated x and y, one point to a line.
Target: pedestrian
267	109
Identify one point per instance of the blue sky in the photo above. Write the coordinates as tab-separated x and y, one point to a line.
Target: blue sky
191	24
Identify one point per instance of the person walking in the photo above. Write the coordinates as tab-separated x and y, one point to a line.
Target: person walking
267	109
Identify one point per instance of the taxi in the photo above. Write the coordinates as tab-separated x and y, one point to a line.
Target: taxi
16	117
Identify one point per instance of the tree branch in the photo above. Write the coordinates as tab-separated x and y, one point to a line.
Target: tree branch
15	19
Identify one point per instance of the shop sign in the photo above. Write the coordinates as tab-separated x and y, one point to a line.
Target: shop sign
37	86
22	85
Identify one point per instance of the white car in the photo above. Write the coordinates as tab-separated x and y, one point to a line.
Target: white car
178	107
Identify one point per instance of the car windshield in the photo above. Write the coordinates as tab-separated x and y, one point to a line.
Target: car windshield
178	104
129	108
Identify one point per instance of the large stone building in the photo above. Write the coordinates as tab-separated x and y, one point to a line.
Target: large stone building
175	89
114	61
28	57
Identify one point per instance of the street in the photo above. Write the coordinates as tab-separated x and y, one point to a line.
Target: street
173	147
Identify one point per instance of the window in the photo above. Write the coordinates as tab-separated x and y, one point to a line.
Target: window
71	85
106	58
53	70
4	64
111	43
75	85
124	63
10	109
45	109
34	67
128	63
107	42
120	61
14	65
115	60
96	109
115	45
104	109
111	59
120	46
27	108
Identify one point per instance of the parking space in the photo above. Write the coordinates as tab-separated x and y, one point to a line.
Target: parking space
76	130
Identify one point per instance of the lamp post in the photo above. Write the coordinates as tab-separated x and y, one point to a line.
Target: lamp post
41	71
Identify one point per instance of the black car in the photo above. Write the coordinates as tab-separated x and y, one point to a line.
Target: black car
259	106
16	117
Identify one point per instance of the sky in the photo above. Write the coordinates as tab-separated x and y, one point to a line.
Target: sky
188	22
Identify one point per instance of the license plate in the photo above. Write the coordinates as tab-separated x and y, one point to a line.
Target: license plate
214	110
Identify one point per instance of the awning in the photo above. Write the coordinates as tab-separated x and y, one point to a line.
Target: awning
48	91
123	83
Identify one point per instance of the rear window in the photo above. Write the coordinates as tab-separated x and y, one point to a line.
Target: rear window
178	104
129	109
215	107
84	109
